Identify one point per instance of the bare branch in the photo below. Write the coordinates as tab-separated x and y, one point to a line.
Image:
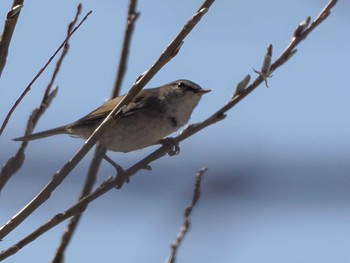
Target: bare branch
7	33
59	176
300	35
27	89
97	158
16	161
129	28
186	219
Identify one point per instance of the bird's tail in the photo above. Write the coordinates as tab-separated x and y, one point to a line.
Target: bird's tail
43	134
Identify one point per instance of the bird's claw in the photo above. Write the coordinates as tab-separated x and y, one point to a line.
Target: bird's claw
173	144
122	178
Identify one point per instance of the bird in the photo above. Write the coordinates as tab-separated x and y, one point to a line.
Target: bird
152	115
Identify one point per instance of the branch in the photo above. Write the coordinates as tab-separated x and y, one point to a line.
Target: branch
59	176
129	28
27	89
16	161
186	219
97	158
301	32
7	33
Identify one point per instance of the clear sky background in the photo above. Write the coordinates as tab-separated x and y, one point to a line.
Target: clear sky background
277	188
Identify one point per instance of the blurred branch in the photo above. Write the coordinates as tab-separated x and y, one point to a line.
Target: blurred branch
97	158
7	33
18	101
171	51
15	162
186	219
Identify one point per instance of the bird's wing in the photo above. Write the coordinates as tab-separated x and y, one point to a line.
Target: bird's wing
97	116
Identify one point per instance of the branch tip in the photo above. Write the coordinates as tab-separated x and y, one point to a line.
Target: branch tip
265	71
302	27
242	85
14	11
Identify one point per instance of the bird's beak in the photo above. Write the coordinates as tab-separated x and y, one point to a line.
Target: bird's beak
203	91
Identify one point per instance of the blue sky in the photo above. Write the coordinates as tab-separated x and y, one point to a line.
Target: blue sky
276	189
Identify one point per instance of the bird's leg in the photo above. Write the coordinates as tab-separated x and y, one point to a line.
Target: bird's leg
121	175
120	171
173	144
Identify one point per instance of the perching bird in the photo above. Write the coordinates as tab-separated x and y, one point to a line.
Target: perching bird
152	115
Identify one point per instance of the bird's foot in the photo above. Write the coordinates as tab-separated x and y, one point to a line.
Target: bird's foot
122	177
171	143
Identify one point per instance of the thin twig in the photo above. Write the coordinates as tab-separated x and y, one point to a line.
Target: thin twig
110	182
300	36
27	89
15	162
7	33
124	54
99	151
59	176
186	219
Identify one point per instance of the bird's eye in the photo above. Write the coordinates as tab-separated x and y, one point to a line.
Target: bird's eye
182	85
186	85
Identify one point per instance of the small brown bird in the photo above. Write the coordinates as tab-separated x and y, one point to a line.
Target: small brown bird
152	115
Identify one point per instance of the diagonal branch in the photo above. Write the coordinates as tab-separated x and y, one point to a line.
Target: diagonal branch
300	35
27	89
59	176
186	218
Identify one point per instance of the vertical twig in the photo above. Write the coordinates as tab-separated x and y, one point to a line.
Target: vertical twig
186	218
124	54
